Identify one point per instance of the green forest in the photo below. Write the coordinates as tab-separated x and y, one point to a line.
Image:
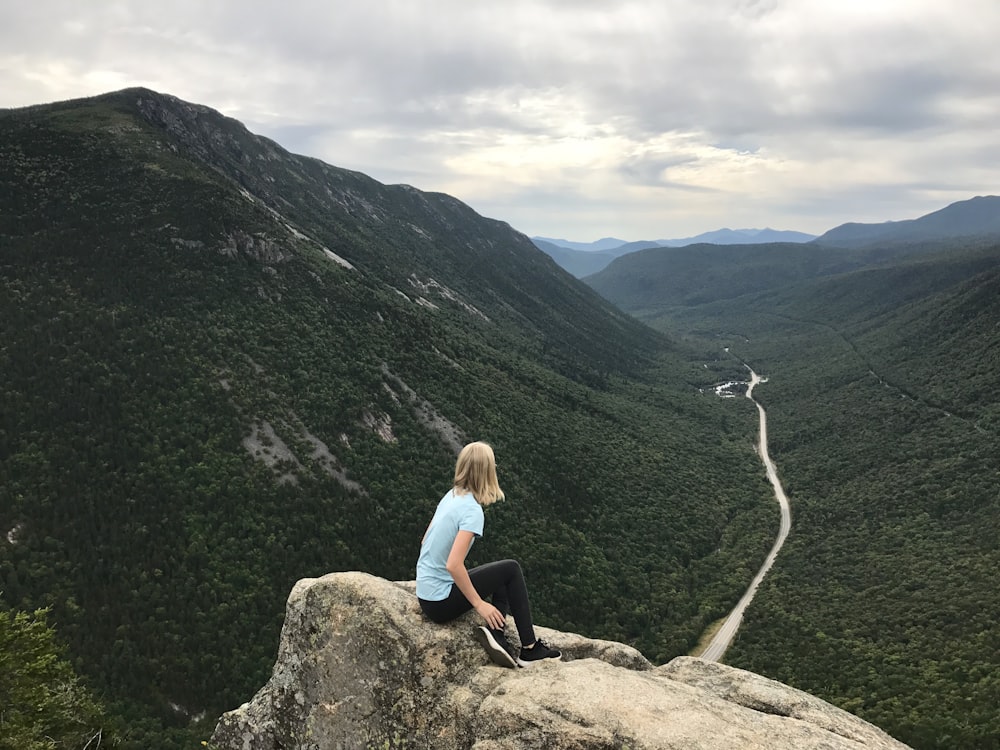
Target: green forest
227	367
200	407
883	414
45	704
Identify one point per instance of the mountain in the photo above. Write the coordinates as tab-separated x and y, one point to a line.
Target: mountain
631	247
718	237
228	367
976	217
656	278
606	243
577	262
660	277
582	263
882	388
740	237
964	220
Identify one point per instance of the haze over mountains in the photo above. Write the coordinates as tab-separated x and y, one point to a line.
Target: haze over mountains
228	367
718	237
660	277
978	216
584	258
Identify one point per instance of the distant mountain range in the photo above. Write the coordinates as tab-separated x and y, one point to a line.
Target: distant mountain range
695	274
580	263
584	258
718	237
978	216
606	243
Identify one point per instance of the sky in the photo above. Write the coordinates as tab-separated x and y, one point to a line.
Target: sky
576	119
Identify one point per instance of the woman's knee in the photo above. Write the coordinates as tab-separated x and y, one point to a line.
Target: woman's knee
513	567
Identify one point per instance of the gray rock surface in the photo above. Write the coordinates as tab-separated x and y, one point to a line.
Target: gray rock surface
360	667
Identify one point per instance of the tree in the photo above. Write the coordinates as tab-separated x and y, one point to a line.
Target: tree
43	704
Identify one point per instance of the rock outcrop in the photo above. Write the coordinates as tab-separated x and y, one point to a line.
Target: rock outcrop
360	667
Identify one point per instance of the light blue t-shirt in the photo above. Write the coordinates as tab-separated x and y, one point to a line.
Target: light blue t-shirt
454	513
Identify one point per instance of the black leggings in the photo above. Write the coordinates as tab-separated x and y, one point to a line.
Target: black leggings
501	580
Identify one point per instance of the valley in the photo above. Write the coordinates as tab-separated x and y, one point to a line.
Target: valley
884	424
201	406
228	367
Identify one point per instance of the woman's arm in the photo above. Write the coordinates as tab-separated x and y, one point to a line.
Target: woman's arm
456	567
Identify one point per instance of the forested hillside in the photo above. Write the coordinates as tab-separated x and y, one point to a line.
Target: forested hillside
227	367
883	405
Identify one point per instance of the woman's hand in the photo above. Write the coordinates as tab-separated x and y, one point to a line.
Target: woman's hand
494	617
456	567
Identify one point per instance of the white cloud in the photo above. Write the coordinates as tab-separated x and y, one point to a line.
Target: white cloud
637	118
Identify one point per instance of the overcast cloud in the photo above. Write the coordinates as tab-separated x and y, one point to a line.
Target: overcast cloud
572	118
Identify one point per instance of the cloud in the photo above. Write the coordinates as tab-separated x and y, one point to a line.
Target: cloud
658	117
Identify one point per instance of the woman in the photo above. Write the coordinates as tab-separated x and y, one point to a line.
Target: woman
446	589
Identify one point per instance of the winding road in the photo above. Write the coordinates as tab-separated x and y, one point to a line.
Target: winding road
715	650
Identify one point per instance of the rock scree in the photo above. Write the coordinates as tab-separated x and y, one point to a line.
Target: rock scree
359	666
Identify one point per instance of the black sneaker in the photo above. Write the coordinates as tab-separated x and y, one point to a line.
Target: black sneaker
496	645
536	653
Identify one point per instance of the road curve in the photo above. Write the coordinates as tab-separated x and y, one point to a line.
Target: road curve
717	648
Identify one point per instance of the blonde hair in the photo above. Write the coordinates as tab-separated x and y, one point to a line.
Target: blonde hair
476	472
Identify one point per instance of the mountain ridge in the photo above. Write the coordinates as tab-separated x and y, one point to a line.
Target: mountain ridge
584	259
723	236
968	219
227	367
657	277
974	217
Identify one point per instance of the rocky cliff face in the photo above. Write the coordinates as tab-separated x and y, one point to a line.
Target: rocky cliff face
359	667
